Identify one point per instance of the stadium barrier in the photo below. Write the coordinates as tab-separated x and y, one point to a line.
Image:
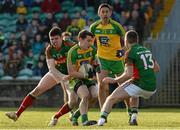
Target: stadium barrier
13	91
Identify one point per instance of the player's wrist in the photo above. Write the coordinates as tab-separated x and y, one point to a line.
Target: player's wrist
85	76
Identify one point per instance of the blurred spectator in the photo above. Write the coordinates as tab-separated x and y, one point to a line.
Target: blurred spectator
32	28
67	38
36	15
89	22
137	22
8	6
81	21
36	3
11	40
65	21
28	3
21	8
43	32
124	16
39	70
42	58
29	61
84	15
74	29
37	45
115	17
13	63
117	6
49	21
24	44
21	23
50	6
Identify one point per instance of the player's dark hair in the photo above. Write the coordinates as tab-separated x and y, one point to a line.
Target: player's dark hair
132	36
55	31
84	33
104	5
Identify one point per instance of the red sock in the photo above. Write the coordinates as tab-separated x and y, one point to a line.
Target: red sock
28	100
64	109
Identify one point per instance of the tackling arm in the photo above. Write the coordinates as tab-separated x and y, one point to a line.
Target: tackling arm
51	64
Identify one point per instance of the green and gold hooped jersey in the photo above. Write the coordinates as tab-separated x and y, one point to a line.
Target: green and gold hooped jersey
143	66
108	38
60	57
77	56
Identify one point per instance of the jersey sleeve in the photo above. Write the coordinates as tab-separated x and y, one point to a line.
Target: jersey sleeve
119	28
94	52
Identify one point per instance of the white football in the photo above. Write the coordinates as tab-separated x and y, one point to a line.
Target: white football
84	68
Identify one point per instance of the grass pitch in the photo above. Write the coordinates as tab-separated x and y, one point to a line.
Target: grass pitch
38	118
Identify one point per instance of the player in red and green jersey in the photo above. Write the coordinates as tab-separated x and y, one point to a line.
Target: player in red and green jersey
83	54
138	79
109	35
56	54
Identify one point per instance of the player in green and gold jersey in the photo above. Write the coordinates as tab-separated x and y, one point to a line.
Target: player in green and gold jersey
138	79
109	35
83	55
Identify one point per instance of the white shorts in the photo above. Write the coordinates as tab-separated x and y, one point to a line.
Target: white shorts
135	91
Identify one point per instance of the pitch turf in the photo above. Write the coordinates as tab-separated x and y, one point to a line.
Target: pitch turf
38	118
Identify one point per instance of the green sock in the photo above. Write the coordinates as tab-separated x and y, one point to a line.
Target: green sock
104	115
84	118
129	111
77	114
134	110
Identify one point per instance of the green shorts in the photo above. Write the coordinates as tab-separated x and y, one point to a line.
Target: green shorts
76	83
116	67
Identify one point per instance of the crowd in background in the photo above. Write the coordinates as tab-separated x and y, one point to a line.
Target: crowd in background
24	27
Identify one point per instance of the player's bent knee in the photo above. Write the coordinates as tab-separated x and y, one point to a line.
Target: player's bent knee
36	92
72	103
111	99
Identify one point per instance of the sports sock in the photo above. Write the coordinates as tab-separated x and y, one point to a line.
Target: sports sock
129	111
134	110
77	114
63	110
104	115
28	100
84	118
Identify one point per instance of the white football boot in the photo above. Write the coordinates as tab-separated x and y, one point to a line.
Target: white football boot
53	122
101	121
12	116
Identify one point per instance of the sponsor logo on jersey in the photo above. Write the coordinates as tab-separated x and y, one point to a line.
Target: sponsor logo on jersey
104	41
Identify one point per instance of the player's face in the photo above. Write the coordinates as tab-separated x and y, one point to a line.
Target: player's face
86	43
56	41
105	13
